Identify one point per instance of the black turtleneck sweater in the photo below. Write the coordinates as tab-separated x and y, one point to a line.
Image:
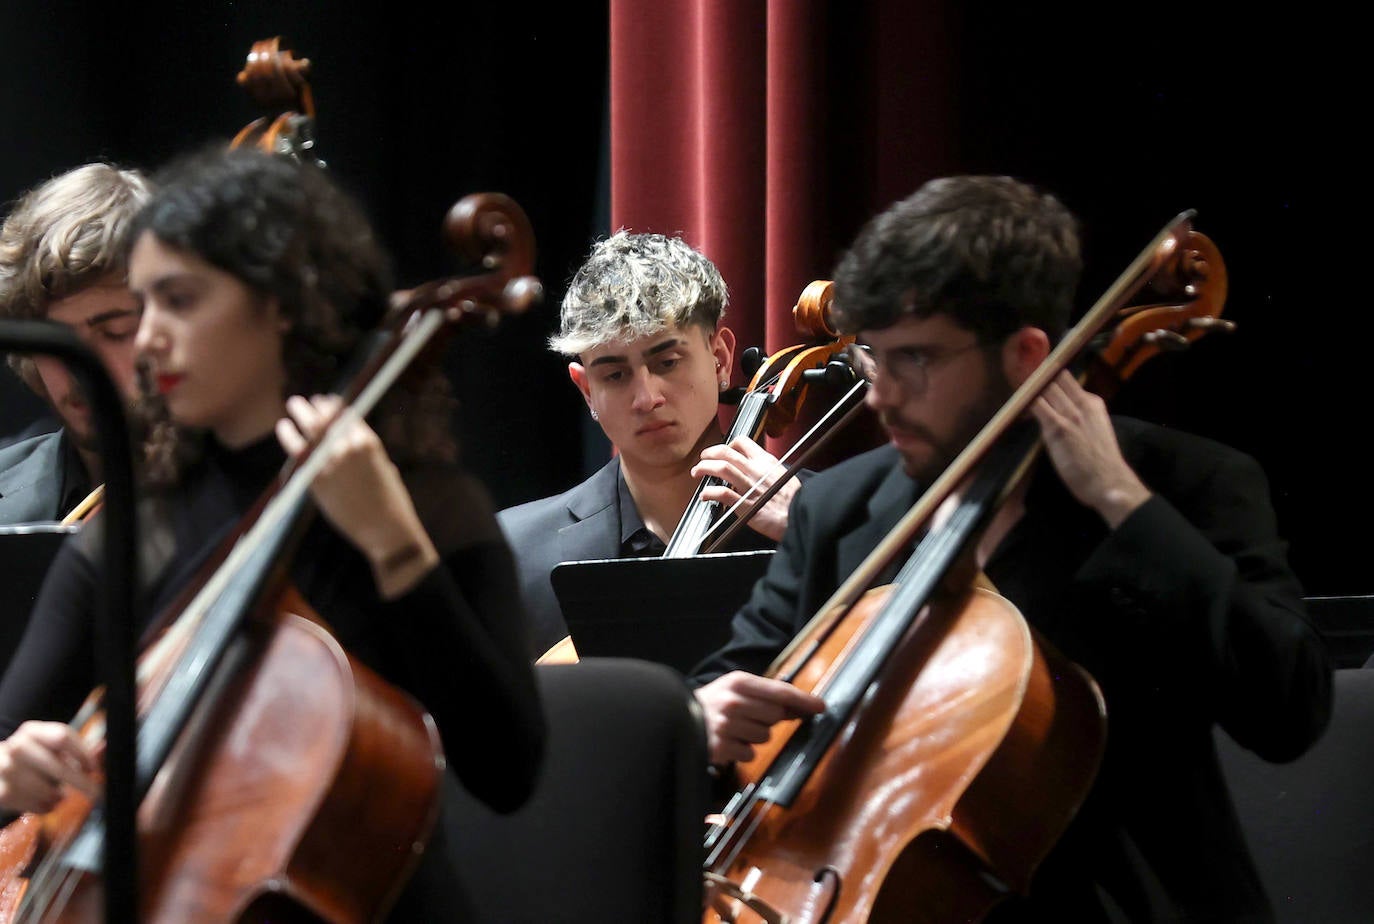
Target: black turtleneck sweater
456	642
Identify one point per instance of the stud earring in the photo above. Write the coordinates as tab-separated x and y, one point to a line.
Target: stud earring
594	416
724	384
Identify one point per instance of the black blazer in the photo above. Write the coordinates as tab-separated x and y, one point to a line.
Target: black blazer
31	473
580	524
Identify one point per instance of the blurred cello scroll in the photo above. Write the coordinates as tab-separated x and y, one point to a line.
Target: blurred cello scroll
278	82
277	775
956	743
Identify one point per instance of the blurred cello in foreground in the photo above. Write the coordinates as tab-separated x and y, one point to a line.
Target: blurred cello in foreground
279	779
956	745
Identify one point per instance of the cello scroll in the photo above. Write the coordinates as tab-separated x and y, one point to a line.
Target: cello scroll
1192	283
278	82
491	231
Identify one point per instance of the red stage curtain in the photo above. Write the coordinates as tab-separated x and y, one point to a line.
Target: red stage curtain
766	133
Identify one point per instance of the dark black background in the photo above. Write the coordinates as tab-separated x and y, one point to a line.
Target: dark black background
1131	116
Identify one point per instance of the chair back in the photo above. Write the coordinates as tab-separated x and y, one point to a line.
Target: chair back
614	829
1310	823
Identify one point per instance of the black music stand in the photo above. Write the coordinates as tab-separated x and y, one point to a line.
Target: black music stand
25	553
674	611
1346	624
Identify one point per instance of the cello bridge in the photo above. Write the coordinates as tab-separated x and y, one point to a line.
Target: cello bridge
722	890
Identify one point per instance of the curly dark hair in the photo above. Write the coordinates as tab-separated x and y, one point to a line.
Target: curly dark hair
285	230
991	252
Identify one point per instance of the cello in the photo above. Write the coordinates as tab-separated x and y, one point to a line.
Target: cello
279	777
278	82
956	744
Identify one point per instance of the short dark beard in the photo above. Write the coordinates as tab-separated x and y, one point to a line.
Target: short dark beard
996	392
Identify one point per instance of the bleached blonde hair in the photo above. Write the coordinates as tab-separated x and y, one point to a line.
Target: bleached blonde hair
636	285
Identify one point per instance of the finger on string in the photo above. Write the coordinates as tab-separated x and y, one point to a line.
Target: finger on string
786	695
720	494
306	416
53	769
290	438
745	730
717	468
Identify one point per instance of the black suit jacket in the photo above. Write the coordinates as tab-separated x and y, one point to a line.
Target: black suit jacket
33	480
1187	615
580	524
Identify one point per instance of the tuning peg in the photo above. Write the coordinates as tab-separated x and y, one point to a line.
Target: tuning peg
837	373
1211	324
1167	340
840	373
750	361
733	396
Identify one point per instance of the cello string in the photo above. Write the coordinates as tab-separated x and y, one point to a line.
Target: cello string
64	888
695	522
43	886
50	878
727	816
790	468
728	851
737	837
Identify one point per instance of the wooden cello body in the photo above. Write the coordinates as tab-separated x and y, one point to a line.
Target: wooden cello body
346	767
972	755
956	744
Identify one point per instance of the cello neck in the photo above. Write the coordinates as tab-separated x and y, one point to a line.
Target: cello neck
700	515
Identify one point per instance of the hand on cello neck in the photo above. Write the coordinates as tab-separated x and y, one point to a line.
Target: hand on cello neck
741	710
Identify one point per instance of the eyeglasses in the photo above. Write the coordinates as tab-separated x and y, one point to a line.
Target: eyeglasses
910	366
